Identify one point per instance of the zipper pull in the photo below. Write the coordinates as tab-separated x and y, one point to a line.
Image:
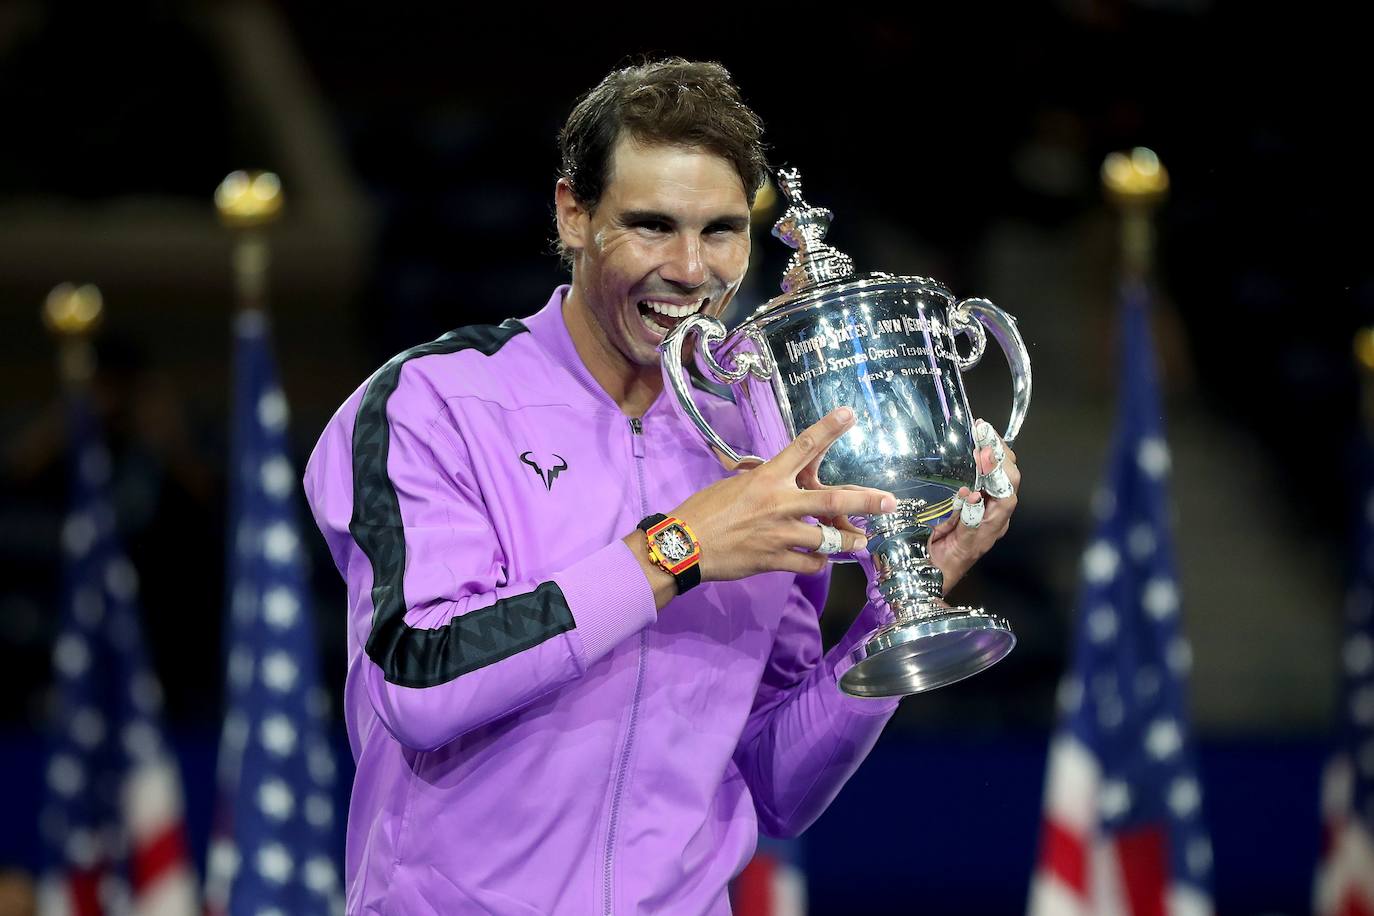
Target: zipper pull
637	436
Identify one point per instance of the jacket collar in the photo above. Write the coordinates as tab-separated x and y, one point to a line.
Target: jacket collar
550	329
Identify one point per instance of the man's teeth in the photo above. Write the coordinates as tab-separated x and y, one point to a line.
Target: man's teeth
674	311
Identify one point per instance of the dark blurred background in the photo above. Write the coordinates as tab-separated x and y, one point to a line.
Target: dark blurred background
417	151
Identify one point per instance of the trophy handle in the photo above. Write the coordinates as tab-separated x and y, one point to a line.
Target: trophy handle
709	331
973	315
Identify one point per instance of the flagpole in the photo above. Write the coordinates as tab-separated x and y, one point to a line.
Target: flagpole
248	202
1136	182
274	844
113	822
1124	827
72	314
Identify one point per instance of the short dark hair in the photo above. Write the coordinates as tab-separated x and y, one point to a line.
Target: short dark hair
673	101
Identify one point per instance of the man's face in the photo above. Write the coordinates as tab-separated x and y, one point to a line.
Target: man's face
669	238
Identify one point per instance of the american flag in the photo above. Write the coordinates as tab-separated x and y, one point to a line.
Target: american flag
1345	875
773	883
274	842
112	824
1123	831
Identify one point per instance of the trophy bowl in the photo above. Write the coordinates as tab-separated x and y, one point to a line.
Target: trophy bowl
885	346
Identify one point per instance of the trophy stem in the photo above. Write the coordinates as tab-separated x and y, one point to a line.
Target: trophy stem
899	543
929	644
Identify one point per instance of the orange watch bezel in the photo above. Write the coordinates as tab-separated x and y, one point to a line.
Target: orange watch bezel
659	559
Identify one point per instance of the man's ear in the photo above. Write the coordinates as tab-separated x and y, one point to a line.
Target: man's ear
573	219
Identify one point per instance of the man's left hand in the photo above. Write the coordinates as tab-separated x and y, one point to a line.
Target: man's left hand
980	517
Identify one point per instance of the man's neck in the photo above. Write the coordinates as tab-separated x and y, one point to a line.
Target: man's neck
633	388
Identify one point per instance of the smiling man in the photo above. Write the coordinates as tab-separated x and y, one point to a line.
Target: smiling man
667	238
585	665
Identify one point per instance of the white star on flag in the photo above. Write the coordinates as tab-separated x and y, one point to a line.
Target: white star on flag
1100	562
1358	655
78	534
1184	796
275	799
275	863
1102	623
1153	457
1114	799
272	411
278	735
280	606
1164	739
277	476
279	543
1161	597
279	671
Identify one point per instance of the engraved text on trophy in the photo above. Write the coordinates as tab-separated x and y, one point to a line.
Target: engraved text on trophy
902	345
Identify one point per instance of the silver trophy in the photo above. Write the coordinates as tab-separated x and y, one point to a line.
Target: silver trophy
885	346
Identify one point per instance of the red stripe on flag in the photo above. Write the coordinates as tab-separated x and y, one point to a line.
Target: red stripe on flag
1354	903
85	889
1064	853
159	854
1143	866
754	887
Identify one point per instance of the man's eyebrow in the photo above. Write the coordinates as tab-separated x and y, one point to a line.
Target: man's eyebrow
730	220
646	216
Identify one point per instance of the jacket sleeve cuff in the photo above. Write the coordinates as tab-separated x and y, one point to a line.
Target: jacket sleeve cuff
863	706
609	597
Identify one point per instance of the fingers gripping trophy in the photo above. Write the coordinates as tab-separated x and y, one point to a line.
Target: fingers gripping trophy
885	346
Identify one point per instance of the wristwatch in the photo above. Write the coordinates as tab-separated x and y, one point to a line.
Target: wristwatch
674	548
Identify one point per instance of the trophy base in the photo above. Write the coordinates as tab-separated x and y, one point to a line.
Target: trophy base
914	656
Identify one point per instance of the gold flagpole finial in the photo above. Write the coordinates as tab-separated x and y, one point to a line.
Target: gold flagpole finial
73	310
1364	349
1136	178
1137	183
765	202
72	313
247	202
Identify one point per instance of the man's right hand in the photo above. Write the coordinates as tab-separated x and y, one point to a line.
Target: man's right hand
753	522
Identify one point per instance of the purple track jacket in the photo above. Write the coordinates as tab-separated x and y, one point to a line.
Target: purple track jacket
530	736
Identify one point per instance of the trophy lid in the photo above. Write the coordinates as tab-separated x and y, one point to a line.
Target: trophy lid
803	227
816	268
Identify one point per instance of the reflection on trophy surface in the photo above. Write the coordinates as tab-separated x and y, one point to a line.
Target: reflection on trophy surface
885	346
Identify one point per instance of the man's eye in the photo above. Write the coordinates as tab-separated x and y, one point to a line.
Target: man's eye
652	225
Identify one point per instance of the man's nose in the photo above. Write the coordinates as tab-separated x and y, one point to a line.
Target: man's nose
685	265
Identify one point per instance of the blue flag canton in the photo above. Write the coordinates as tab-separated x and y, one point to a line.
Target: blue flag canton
1126	698
106	700
276	767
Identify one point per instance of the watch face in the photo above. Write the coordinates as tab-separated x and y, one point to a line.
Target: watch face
674	544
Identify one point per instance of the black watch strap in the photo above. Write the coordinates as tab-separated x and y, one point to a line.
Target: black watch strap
688	578
650	521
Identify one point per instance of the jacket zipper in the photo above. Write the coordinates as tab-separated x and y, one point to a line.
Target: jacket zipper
637	443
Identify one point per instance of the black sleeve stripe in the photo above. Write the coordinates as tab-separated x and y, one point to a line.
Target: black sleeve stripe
408	656
704	384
